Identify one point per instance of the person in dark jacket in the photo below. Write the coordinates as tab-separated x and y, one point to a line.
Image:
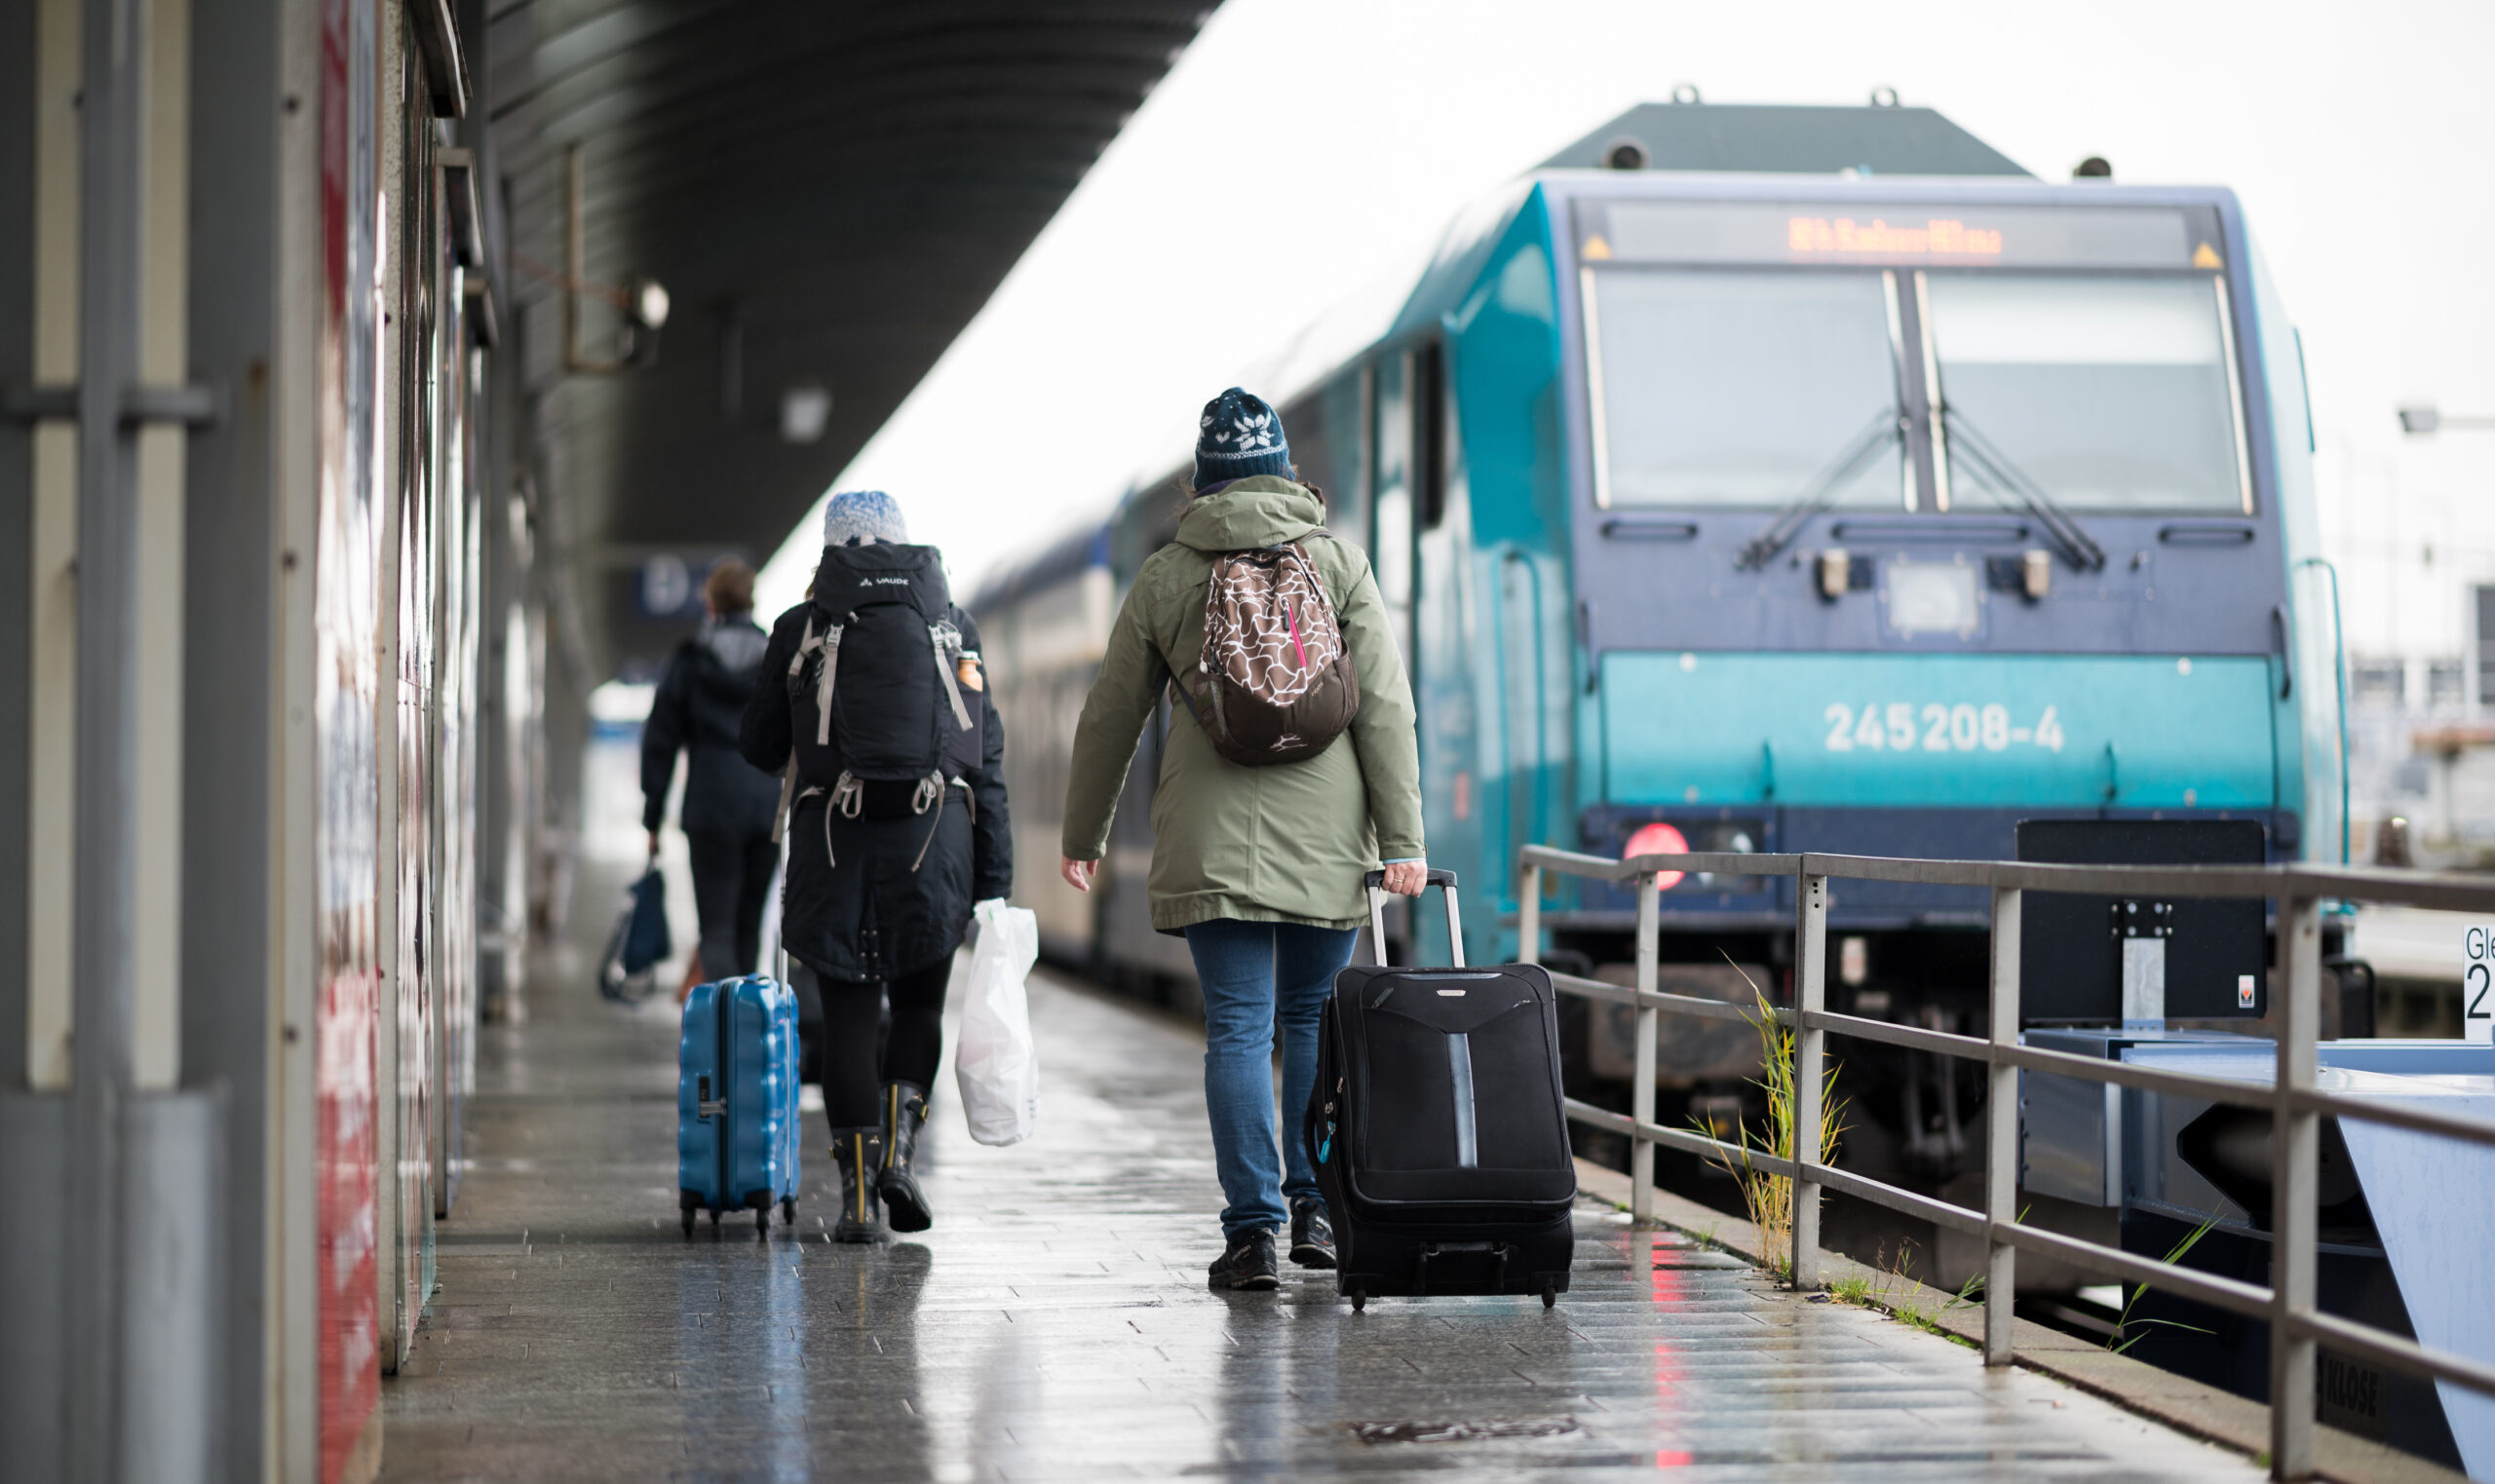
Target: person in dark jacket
882	881
728	804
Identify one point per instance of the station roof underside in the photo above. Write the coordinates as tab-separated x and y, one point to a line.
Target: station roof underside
828	192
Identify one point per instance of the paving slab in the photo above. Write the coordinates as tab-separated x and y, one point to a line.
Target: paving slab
1056	1323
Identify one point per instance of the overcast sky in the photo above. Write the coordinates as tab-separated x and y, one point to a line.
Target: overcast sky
1301	147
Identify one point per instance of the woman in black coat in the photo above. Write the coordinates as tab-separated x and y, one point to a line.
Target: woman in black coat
698	711
882	877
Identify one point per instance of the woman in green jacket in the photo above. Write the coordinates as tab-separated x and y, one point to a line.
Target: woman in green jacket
1258	867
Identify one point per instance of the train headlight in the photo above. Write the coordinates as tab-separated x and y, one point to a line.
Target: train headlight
1658	839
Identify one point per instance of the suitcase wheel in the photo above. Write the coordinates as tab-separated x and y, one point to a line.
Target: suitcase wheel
1549	1295
1360	1301
715	1221
688	1223
788	1211
762	1219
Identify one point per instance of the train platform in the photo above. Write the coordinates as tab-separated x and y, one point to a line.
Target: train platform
1056	1323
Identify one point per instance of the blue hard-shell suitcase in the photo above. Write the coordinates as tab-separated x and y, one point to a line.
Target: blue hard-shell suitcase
735	1101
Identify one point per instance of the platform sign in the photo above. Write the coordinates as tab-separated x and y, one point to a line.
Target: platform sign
667	586
2477	986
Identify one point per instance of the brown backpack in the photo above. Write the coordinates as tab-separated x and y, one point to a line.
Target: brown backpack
1274	683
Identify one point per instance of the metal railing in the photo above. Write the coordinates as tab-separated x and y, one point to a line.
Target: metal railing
2292	1099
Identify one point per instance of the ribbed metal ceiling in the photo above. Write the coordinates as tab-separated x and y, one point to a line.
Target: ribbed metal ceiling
828	191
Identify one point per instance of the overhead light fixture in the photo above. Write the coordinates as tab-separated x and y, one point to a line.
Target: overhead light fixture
805	411
642	300
645	301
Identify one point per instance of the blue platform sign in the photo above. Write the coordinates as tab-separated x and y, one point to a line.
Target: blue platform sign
666	589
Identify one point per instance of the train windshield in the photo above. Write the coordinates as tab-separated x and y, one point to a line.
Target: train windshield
1726	388
2109	394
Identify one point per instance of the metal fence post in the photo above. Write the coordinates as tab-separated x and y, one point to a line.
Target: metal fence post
1529	915
1810	997
1641	1095
2294	1178
2001	1134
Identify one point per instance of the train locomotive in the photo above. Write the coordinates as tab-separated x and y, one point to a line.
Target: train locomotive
1770	479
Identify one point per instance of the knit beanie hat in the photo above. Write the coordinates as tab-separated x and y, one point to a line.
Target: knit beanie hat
1240	436
857	517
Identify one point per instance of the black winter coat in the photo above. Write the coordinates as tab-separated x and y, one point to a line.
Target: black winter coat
700	710
861	903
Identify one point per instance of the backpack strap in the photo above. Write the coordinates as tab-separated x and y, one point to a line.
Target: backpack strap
948	641
788	774
823	685
787	795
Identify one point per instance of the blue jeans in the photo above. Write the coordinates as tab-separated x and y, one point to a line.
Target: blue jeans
1257	977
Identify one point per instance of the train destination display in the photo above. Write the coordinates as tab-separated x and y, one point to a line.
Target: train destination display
1898	235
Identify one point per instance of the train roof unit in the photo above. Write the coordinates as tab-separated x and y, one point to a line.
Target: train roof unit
1784	139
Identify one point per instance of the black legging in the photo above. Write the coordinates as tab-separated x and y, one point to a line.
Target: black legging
731	886
851	1014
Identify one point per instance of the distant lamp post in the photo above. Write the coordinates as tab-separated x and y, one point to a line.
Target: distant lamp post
2425	418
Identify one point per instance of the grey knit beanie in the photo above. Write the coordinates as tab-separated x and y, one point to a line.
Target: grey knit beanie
858	517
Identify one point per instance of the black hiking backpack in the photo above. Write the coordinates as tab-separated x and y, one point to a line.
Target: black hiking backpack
877	707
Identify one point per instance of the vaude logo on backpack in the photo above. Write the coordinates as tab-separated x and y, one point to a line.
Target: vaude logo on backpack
875	691
1274	683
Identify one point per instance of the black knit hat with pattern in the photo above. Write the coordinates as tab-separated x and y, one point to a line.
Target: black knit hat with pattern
1240	436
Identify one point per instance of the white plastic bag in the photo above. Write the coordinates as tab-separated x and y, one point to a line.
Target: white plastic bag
994	1064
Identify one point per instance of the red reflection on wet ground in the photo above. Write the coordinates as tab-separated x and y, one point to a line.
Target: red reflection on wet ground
1663	1287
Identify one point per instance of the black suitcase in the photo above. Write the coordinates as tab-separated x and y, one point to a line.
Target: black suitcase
1436	1126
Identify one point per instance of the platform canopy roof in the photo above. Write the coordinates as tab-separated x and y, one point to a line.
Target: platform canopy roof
826	191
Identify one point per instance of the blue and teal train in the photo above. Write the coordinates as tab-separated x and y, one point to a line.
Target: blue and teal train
1796	479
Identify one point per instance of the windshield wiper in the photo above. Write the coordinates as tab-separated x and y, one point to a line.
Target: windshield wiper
1995	471
1822	491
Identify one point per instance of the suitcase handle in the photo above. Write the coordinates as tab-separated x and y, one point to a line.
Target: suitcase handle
1375	881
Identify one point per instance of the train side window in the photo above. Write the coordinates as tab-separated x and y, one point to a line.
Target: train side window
1391	538
1431	423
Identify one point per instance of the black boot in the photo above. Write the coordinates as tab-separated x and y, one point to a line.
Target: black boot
904	1114
856	1154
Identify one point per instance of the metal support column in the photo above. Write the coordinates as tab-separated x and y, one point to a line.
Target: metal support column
2001	1132
105	932
1641	1092
1809	1044
2295	1178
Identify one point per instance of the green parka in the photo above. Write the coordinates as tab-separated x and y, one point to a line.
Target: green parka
1284	843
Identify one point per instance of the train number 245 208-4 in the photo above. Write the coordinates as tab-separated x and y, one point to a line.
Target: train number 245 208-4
1901	726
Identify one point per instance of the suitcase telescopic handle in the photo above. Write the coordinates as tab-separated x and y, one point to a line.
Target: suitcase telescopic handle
1444	881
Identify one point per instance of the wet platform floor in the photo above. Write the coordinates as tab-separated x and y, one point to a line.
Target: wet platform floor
1056	1322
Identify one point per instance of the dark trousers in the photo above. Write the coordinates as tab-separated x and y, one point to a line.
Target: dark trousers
853	1013
731	884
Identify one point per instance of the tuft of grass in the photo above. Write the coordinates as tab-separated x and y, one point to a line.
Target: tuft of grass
1769	1198
2173	1256
1893	1289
